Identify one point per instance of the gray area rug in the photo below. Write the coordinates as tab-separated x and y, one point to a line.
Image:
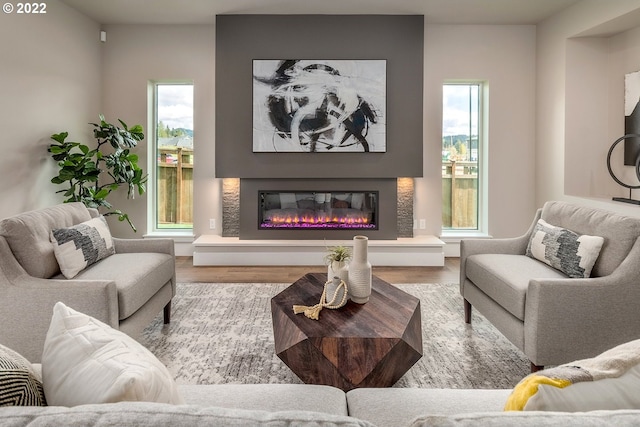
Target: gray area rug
222	333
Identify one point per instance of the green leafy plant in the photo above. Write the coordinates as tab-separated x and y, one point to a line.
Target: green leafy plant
337	253
91	174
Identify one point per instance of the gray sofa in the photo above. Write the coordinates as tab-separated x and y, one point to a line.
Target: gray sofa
298	405
125	290
551	318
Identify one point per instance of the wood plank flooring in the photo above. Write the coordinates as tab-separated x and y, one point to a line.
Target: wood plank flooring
187	272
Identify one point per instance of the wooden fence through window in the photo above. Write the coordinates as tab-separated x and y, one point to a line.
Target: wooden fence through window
460	195
175	187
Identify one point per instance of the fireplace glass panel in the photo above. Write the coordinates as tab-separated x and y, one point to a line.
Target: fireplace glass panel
306	210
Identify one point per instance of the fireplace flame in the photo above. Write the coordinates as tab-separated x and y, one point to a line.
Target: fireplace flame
319	219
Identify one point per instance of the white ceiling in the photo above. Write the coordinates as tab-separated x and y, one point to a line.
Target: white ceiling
204	11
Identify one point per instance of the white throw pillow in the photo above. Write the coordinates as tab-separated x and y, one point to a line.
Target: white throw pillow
79	246
572	253
86	361
607	394
608	381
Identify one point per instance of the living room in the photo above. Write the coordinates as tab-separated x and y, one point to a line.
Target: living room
59	72
555	73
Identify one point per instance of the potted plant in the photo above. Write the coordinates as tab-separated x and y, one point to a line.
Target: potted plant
92	174
336	259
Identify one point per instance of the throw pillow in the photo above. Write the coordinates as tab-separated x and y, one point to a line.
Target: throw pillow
86	361
609	381
19	383
79	246
572	253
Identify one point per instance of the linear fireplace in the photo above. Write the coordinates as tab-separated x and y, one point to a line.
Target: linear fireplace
317	208
307	210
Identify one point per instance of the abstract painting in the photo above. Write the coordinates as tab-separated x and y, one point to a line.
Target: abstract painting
631	117
319	106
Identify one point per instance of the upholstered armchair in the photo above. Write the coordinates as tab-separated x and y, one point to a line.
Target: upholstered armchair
551	317
126	289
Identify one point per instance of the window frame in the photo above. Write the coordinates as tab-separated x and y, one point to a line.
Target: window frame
152	164
482	162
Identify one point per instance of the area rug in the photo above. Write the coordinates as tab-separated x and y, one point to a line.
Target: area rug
222	333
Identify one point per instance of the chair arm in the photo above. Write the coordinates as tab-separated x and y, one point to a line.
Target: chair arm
164	246
513	245
27	306
567	319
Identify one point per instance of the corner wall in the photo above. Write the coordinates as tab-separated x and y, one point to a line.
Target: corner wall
51	82
584	53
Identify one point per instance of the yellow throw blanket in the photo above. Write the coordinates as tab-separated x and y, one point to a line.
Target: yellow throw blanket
610	364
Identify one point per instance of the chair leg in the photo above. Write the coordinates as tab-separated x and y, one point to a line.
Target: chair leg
536	368
467	311
167	313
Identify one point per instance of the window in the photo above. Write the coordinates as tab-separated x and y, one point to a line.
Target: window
461	150
173	174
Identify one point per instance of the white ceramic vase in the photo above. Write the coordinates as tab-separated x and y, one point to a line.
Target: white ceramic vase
335	300
360	271
339	269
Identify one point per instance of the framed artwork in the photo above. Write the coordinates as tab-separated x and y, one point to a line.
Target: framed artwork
328	106
631	117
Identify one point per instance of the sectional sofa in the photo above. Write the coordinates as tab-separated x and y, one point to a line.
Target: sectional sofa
295	405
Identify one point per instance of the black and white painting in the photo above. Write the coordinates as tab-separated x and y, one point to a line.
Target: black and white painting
319	106
631	117
632	102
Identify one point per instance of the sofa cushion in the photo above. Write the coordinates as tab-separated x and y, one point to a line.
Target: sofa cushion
138	276
505	278
81	245
619	232
144	414
86	361
269	397
608	381
390	407
28	236
564	250
20	384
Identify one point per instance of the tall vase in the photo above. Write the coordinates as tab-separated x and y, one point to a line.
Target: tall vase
360	271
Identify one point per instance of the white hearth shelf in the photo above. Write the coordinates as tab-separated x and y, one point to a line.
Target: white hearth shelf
421	251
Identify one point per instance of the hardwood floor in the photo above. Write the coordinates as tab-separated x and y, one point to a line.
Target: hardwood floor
187	272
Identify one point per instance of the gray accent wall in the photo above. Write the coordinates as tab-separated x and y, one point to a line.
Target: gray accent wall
398	39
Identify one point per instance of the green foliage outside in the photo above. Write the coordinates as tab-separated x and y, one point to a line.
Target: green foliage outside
165	131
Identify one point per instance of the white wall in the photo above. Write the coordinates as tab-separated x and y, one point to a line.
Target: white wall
137	54
504	57
57	76
50	82
583	54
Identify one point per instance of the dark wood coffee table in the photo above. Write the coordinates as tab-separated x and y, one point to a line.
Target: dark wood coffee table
368	345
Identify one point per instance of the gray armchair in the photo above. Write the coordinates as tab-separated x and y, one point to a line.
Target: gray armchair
126	290
551	318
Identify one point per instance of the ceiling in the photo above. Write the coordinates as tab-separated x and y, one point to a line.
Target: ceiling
204	11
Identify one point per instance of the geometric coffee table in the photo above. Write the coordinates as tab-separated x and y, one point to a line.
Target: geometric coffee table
358	345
